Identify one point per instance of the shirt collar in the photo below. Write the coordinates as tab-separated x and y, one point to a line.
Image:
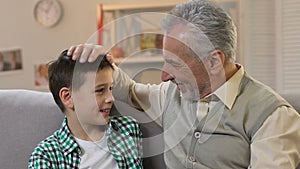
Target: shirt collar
66	140
228	92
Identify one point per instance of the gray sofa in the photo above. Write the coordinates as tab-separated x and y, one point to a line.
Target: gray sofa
27	117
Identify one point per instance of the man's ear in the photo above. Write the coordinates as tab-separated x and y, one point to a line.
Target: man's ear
216	62
65	95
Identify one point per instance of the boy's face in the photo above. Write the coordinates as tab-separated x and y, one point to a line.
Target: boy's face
93	100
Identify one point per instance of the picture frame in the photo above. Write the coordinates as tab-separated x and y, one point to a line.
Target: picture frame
11	60
41	80
149	41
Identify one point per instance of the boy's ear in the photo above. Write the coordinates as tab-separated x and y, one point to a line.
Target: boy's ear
216	62
65	95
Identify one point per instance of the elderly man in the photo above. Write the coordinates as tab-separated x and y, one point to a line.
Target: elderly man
214	115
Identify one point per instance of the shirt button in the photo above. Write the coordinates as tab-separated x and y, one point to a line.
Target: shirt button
192	159
197	135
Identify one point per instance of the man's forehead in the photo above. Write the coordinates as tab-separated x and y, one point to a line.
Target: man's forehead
170	56
179	28
177	35
173	49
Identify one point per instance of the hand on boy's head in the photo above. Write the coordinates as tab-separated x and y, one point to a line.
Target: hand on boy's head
110	58
87	52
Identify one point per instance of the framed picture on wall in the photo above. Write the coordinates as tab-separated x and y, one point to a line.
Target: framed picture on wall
41	75
11	60
152	40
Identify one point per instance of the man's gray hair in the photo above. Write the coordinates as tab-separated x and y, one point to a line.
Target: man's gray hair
204	19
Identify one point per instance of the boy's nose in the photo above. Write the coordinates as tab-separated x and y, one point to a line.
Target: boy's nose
110	98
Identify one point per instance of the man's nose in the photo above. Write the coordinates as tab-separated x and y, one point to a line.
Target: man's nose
166	76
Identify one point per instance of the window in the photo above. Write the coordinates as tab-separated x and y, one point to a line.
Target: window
271	42
289	46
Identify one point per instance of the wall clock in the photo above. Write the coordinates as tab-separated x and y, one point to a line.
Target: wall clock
48	12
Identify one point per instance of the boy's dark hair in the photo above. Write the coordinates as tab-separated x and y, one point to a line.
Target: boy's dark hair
62	71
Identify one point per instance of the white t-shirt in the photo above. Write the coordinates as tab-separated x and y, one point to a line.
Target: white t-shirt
96	155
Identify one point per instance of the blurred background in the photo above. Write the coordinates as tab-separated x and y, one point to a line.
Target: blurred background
269	36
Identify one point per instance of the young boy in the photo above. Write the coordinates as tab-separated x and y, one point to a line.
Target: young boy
89	137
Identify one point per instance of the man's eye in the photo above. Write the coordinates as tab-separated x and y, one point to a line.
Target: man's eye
176	64
173	63
111	87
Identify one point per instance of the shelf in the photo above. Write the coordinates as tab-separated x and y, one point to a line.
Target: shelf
137	6
134	65
139	60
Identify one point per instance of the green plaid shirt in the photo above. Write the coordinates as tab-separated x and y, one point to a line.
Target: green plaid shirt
60	150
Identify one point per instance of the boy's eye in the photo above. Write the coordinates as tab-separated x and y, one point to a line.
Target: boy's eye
99	90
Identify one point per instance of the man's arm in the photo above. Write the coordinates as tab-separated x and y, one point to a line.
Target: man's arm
145	97
277	143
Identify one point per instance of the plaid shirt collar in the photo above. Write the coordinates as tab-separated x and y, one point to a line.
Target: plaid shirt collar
66	139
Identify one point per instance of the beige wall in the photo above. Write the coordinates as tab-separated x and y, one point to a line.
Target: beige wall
38	44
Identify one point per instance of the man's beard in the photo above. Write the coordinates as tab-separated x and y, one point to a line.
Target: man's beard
191	95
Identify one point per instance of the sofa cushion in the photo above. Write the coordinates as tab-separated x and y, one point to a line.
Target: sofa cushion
27	117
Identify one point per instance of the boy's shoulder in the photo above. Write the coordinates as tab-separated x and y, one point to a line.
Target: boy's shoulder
50	144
